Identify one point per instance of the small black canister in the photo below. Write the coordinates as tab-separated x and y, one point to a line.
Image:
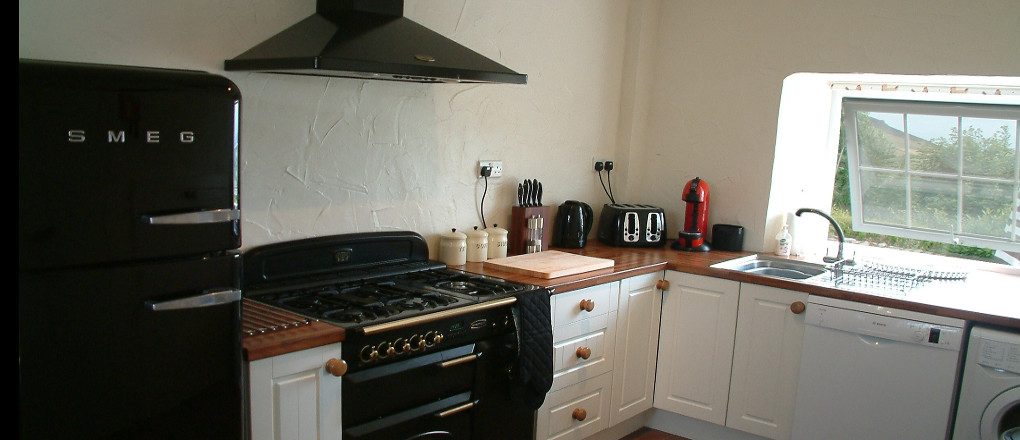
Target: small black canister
728	237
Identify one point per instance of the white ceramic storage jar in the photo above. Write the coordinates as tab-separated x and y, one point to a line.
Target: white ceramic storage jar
453	248
477	245
497	241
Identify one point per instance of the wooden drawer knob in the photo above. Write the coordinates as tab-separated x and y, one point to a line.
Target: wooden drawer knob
579	414
587	305
336	367
583	352
662	285
797	307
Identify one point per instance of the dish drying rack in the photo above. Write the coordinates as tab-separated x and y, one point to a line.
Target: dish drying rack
888	277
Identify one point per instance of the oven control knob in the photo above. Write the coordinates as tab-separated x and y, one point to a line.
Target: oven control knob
385	348
416	342
369	354
429	339
392	351
402	346
439	338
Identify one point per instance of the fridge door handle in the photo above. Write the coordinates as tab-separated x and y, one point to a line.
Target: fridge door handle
208	298
194	218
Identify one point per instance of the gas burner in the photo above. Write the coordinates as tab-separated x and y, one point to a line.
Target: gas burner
458	286
358	315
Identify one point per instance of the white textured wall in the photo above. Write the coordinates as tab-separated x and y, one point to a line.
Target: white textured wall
719	71
323	156
701	82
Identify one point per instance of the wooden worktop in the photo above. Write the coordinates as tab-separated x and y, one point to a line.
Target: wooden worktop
986	297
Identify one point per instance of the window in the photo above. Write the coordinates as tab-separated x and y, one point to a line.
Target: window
942	172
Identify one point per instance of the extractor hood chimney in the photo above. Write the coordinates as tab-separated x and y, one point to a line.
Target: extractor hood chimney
370	39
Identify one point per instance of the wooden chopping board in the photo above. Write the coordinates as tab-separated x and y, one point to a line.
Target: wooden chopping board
550	264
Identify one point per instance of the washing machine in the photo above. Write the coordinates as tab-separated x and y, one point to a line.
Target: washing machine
989	405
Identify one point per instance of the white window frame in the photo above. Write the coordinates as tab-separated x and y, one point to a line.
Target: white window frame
851	106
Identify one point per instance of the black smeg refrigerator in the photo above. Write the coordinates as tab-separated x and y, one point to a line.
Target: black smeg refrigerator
128	300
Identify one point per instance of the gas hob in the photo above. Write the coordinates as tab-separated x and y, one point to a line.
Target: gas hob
388	297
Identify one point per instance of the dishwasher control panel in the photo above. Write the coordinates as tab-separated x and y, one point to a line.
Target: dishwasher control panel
885	327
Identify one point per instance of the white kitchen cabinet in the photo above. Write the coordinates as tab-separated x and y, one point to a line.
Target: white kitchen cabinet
637	342
575	412
295	397
770	329
697	331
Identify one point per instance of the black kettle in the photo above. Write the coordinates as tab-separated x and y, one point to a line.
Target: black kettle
573	223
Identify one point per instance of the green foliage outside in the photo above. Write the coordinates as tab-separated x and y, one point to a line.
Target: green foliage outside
986	208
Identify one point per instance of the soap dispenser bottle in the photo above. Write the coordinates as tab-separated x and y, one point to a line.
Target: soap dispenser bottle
784	241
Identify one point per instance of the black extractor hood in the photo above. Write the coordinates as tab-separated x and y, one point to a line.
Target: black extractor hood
370	39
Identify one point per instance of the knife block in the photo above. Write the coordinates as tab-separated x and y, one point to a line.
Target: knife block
518	236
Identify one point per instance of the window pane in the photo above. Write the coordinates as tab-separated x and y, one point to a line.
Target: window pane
880	140
987	208
933	203
933	143
989	147
883	198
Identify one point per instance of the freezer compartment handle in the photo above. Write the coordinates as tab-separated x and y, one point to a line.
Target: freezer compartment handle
208	298
194	218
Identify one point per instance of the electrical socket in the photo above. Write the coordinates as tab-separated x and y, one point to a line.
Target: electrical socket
496	165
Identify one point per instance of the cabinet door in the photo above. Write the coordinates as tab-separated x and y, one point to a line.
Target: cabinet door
766	361
698	322
637	341
293	397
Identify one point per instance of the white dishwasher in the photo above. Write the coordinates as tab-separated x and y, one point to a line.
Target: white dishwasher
869	372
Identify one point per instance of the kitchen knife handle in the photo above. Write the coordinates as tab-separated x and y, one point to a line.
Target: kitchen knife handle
194	218
539	198
208	298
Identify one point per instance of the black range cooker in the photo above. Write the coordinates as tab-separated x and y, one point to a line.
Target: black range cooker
430	351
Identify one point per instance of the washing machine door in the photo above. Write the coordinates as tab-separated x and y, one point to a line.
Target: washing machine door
1001	419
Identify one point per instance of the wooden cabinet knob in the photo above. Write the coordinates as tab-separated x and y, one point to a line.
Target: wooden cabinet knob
583	352
579	414
797	307
662	285
336	367
587	305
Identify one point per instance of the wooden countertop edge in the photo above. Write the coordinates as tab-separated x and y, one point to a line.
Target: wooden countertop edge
288	341
630	262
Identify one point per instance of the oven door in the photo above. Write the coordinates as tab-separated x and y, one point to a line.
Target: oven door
448	418
382	391
427	397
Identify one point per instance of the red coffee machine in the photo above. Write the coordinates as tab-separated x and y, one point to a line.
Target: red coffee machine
692	237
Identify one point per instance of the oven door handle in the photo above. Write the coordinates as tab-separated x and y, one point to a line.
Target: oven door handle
459	361
457	409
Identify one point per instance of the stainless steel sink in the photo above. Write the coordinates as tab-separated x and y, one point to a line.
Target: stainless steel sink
773	267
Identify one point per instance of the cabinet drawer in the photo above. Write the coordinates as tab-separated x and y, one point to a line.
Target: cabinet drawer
567	307
588	399
569	367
